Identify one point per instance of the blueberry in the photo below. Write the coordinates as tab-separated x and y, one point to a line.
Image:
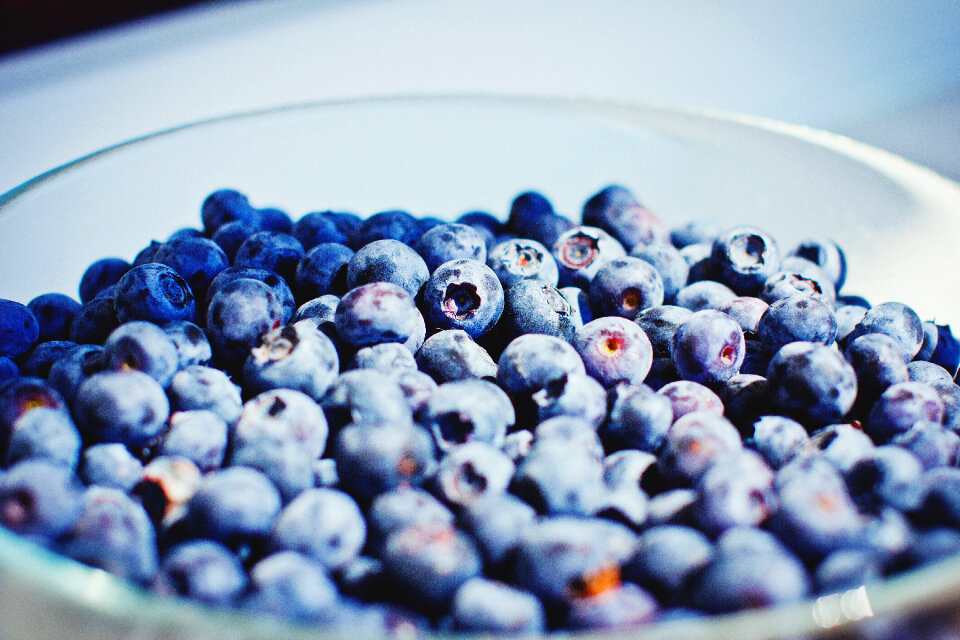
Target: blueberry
291	586
401	507
842	444
467	410
40	499
797	318
121	406
708	347
101	274
623	607
624	287
277	284
947	353
197	260
450	241
197	387
8	369
672	267
142	346
704	294
167	484
202	570
374	459
114	533
638	419
44	433
319	227
558	477
579	301
486	224
389	357
827	255
282	415
532	306
54	313
531	362
896	320
322	271
473	471
199	435
154	292
695	442
532	216
889	476
616	210
576	395
19	328
698	258
274	219
483	605
665	558
693	233
778	439
234	505
519	259
811	383
463	294
923	371
387	261
417	387
229	237
788	283
239	314
376	312
737	491
21	395
452	355
41	356
686	396
110	465
878	362
271	250
744	257
613	350
223	206
365	396
900	407
297	356
388	225
325	524
932	444
847	569
94	321
660	323
497	522
581	252
288	466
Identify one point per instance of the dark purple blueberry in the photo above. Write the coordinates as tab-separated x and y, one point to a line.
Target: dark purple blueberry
704	294
900	407
614	350
778	439
665	558
463	294
374	459
94	322
695	442
291	586
39	499
297	356
744	257
47	434
240	313
197	260
388	225
322	271
673	269
54	313
114	533
461	411
811	383
234	505
581	252
223	206
271	250
878	362
198	387
141	346
319	227
784	284
615	210
660	323
519	259
19	328
638	419
453	355
797	318
932	444
947	353
41	356
896	320
488	606
624	287
201	570
450	241
486	224
277	284
698	258
229	237
110	465
156	293
827	255
121	406
101	274
376	312
324	524
8	369
745	399
579	301
533	306
708	347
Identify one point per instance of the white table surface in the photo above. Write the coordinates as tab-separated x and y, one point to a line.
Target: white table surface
882	71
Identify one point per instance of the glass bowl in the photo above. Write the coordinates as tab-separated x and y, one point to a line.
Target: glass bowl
899	224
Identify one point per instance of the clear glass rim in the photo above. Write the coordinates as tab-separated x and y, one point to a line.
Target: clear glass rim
931	588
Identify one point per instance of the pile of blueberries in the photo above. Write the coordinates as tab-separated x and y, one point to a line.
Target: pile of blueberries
401	424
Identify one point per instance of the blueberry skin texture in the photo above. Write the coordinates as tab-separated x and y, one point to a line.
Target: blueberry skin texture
54	313
39	499
366	396
900	407
197	260
325	524
467	410
100	275
787	283
223	206
230	236
694	443
638	419
191	343
239	314
519	259
496	522
322	271
797	318
110	465
560	477
744	257
392	225
932	444
19	328
463	294
616	210
279	286
297	356
705	294
452	355
891	475
531	362
737	491
693	233
121	406
614	350
374	459
486	224
235	504
471	472
282	415
686	396
579	301
450	241
94	322
708	347
374	313
44	433
660	323
288	466
202	570
389	357
778	439
527	209
666	259
271	250
575	395
8	369
319	227
198	387
141	346
291	586
811	383
38	360
666	556
114	533
532	306
581	252
402	507
878	361
483	605
388	261
624	287
826	254
199	436
896	320
21	395
156	293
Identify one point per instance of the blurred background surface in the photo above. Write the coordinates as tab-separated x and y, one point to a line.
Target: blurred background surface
78	75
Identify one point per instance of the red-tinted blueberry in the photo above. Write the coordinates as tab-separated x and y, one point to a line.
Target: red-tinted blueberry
708	347
614	349
616	210
624	287
581	252
376	312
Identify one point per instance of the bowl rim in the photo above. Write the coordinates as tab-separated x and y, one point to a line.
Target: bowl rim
99	592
